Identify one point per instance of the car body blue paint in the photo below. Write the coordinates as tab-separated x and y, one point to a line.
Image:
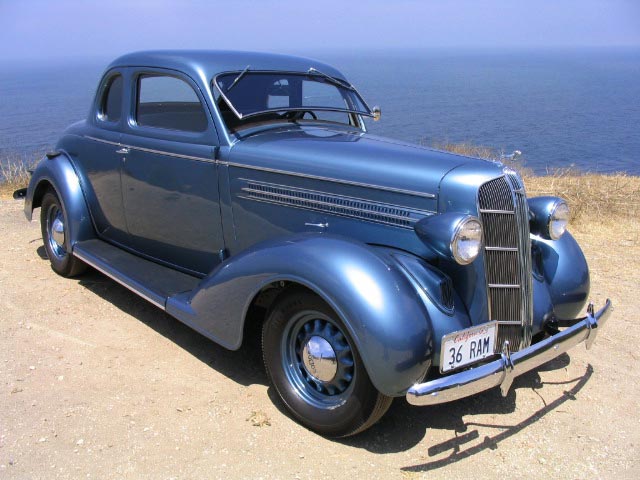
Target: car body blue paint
387	320
244	209
321	151
58	173
566	274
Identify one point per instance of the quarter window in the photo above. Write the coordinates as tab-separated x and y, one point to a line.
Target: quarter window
170	103
111	107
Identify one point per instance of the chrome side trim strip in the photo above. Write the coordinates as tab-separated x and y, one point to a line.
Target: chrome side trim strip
329	179
109	142
151	150
86	259
170	154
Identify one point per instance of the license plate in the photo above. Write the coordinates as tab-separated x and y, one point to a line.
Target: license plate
468	346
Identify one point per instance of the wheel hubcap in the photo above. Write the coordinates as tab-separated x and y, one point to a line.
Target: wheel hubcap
319	359
56	232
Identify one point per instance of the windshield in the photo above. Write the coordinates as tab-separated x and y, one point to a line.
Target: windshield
286	95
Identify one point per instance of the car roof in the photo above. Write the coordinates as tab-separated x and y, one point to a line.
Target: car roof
208	63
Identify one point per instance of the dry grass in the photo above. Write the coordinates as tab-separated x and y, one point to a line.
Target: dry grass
14	174
592	197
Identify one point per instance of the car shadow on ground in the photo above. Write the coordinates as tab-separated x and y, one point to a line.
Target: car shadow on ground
243	366
42	253
403	427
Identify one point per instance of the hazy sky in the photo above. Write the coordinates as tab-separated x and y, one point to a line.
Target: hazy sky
55	28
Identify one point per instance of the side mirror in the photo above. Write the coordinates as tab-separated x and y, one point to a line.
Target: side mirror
377	113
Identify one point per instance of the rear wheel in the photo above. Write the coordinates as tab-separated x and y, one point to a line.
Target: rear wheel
316	369
53	223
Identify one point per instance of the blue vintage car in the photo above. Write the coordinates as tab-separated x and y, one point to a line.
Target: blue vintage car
240	190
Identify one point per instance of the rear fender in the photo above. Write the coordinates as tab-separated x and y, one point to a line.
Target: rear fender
367	289
57	172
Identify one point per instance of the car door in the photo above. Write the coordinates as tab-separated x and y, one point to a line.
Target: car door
100	157
169	176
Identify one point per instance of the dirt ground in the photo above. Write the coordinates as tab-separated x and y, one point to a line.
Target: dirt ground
98	383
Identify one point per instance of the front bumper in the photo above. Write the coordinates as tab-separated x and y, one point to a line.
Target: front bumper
509	365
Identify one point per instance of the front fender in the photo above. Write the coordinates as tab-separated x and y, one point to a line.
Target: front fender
565	272
58	173
372	295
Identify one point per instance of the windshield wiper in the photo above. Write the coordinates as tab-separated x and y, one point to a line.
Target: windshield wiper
237	79
335	81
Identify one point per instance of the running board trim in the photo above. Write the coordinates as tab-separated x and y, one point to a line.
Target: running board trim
128	283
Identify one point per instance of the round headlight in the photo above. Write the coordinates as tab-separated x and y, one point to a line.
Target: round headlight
558	220
466	241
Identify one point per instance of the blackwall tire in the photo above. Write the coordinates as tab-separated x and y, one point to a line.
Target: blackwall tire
334	399
53	224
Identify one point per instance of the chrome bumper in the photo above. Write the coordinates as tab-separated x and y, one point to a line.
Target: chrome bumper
509	365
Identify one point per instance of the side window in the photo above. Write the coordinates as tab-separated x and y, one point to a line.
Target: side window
170	103
111	104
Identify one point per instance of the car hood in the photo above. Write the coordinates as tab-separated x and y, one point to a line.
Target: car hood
354	157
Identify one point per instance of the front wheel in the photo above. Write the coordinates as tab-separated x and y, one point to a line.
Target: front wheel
53	223
316	369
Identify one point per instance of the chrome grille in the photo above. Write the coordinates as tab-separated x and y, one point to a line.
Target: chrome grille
507	257
522	214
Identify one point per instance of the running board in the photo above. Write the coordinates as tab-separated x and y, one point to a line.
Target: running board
153	282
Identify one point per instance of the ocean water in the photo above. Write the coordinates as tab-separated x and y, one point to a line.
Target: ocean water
561	108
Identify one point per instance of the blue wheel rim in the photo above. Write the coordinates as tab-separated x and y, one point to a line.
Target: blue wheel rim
320	394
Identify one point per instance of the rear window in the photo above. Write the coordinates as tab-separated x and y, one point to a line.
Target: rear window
169	103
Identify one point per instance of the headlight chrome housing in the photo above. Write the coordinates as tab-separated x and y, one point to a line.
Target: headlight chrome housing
453	236
549	217
558	220
467	241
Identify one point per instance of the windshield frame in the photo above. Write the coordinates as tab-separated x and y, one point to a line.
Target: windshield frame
311	73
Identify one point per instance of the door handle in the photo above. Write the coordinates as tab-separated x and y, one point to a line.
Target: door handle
123	150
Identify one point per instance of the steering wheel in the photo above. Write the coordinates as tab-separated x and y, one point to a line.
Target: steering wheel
299	114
